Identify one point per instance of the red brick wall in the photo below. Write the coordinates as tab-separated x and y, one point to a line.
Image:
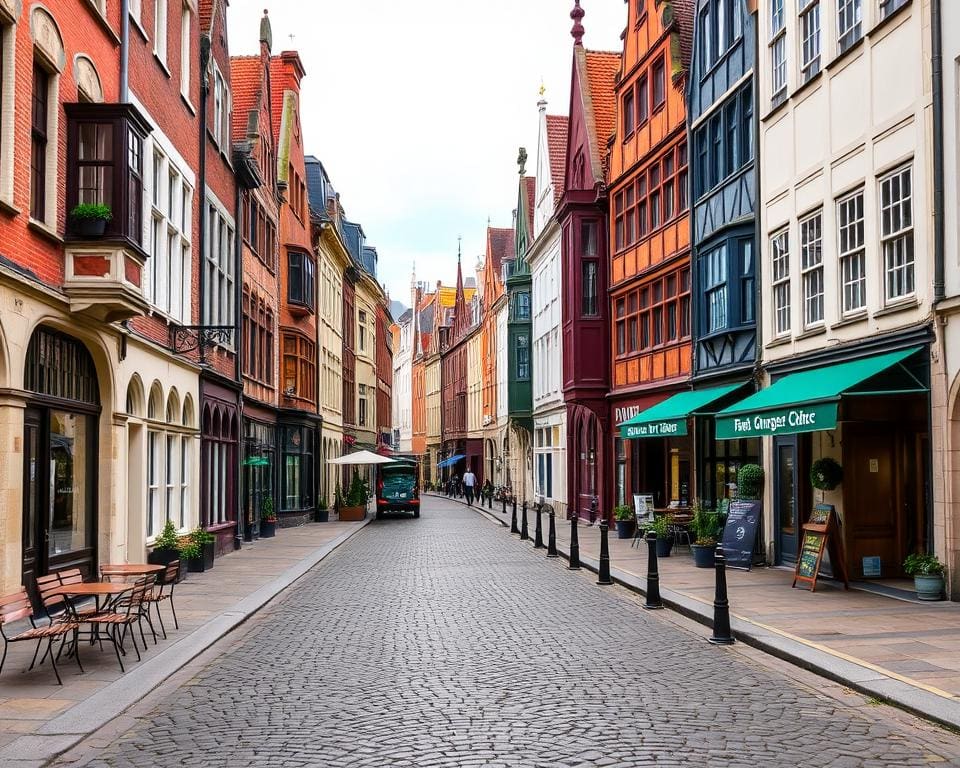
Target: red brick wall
82	33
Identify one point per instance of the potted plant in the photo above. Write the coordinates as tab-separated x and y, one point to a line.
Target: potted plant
191	553
268	518
90	219
322	514
750	482
660	525
706	527
166	546
354	506
206	543
928	575
626	521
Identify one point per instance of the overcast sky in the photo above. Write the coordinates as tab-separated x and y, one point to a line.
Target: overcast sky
417	109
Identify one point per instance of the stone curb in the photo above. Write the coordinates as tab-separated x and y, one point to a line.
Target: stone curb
65	731
868	680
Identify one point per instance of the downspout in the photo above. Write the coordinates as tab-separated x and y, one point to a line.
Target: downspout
124	51
936	71
238	356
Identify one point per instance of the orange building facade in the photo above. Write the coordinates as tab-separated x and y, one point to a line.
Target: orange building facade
650	247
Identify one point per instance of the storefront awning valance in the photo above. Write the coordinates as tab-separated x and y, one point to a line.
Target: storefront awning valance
807	401
452	460
669	418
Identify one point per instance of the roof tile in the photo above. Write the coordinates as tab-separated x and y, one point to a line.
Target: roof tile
602	70
246	81
557	128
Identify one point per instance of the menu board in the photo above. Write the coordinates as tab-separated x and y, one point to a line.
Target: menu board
821	532
740	533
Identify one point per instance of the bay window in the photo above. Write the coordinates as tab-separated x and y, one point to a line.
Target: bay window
301	279
299	367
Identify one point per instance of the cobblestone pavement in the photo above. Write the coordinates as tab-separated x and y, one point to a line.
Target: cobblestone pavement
445	642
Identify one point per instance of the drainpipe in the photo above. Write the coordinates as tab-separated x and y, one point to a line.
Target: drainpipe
124	51
238	357
936	60
202	172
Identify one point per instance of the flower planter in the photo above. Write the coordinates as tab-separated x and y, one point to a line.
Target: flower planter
625	528
165	557
90	227
928	587
664	546
268	529
703	556
321	515
353	514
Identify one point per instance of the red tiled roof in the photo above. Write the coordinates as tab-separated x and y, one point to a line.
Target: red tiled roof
499	246
246	80
206	14
278	83
530	187
602	69
557	128
683	15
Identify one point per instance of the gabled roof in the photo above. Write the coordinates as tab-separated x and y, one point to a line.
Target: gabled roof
557	128
246	83
530	185
499	246
602	68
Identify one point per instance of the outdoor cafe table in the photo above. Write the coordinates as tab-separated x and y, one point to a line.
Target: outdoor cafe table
131	569
95	589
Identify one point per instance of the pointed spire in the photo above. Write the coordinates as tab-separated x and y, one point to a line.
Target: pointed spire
577	15
542	104
266	32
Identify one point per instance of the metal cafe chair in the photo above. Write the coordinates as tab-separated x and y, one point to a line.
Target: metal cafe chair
127	611
16	606
164	593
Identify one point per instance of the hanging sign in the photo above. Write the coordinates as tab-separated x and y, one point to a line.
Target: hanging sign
668	428
783	421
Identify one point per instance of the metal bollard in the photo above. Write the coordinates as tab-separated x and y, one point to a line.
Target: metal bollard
490	500
604	571
653	574
574	544
524	531
721	607
538	531
513	520
552	536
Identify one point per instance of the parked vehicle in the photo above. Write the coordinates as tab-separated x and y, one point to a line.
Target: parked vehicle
398	487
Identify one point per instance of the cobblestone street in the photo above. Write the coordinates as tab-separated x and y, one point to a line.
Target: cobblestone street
443	641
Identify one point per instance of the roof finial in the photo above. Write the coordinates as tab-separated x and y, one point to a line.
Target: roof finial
577	14
459	241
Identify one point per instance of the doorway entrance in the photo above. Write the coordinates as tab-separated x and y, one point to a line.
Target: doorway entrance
60	468
788	505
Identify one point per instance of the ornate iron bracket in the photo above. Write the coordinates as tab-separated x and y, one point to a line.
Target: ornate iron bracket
186	338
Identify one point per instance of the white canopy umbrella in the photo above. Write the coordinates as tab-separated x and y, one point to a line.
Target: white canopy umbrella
361	457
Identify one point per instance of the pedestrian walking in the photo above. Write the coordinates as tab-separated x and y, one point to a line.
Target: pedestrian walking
469	483
453	485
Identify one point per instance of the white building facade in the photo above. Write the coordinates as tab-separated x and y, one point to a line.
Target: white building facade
402	403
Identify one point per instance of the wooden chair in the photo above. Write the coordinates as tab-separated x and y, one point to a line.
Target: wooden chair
127	611
16	606
165	592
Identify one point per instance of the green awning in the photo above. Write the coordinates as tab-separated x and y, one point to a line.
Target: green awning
669	418
807	401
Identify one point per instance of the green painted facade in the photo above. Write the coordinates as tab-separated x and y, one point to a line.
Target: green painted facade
518	284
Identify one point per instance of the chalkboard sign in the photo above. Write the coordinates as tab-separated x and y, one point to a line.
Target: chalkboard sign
820	532
810	554
740	533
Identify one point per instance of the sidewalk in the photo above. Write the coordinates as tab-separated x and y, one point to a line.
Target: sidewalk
905	652
40	719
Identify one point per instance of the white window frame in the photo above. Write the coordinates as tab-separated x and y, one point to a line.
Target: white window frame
185	50
849	24
219	300
171	484
780	273
186	472
160	31
154	517
851	254
778	51
896	234
8	70
169	198
810	39
811	269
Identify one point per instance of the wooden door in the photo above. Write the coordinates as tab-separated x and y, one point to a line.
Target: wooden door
34	484
871	498
787	510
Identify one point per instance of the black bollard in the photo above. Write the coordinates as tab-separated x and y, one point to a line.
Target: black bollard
490	500
513	520
552	536
538	531
574	544
524	531
653	574
604	571
721	607
503	500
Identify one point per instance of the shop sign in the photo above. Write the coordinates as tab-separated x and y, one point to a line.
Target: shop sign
668	428
783	421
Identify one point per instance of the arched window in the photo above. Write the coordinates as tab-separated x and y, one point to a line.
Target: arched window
59	366
134	404
155	405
